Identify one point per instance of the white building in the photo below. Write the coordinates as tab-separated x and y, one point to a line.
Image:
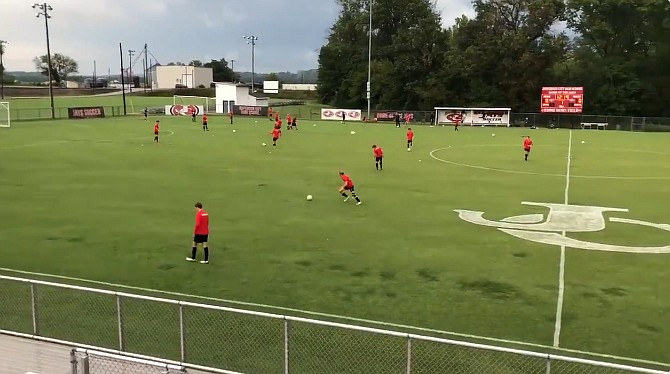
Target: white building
230	94
163	77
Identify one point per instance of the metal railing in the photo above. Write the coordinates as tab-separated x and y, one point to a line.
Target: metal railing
228	340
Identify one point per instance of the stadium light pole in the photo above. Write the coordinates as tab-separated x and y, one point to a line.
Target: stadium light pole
367	86
44	12
232	67
130	69
2	69
251	39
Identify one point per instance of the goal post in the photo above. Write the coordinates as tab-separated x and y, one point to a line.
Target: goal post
5	117
208	103
473	116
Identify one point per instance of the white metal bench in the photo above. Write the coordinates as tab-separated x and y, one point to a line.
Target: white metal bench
594	125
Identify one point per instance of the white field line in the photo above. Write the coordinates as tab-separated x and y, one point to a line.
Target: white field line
56	142
561	266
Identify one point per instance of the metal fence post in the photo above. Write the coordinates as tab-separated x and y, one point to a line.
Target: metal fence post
119	321
286	345
73	360
85	367
409	354
33	305
548	364
182	337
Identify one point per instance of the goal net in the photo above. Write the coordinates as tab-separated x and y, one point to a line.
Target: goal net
208	103
5	118
473	116
86	361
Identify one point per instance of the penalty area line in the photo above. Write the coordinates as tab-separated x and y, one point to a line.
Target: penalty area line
335	316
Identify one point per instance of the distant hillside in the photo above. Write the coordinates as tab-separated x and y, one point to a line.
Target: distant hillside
27	76
306	76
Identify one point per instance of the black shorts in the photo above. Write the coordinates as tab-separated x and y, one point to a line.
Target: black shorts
349	188
378	159
199	238
204	123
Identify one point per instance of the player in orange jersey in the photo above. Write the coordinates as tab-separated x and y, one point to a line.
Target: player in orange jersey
288	121
527	145
204	123
410	138
348	186
157	128
276	133
379	157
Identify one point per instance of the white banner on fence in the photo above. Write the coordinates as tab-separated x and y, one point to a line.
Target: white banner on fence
336	114
184	110
474	116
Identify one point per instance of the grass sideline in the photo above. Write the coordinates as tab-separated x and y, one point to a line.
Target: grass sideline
403	256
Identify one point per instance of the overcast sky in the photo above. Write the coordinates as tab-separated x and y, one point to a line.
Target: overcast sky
290	32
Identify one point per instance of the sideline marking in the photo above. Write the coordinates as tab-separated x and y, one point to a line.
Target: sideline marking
335	316
561	266
56	142
486	168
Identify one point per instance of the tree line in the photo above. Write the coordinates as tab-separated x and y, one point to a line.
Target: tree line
619	50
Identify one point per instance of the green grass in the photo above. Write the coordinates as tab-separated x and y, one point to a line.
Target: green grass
95	199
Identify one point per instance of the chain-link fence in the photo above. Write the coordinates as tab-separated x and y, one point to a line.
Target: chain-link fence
95	362
575	121
233	340
34	114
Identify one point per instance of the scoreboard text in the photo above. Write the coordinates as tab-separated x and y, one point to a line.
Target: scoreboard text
562	100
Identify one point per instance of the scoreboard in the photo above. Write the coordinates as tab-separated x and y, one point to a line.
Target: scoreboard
562	99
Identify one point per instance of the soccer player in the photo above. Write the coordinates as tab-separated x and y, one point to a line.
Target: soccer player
146	113
276	133
410	138
527	144
294	124
348	186
193	115
456	123
288	121
230	114
277	116
379	157
200	234
270	113
157	128
204	123
344	117
397	119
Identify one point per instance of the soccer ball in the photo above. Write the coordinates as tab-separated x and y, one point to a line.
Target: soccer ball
493	134
353	132
409	149
309	197
264	144
583	142
234	130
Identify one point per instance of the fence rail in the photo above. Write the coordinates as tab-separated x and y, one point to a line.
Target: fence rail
310	112
225	340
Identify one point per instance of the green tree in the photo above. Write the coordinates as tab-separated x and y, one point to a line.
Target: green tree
220	70
61	66
195	63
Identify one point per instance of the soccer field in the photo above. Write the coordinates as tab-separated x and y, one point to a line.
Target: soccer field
96	199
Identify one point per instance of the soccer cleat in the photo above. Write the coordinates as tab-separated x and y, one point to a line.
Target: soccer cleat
346	199
190	259
204	262
359	203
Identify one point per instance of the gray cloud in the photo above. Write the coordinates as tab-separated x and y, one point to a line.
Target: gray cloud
290	31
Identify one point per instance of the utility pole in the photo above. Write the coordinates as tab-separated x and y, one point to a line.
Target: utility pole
44	12
130	69
146	67
368	87
2	69
232	67
251	40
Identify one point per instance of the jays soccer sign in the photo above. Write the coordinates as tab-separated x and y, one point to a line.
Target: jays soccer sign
561	220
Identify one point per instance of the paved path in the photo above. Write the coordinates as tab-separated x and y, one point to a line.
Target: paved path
25	356
21	356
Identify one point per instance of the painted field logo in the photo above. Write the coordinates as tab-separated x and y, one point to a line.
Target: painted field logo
563	219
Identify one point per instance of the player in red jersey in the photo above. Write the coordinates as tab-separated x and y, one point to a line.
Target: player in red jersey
200	234
410	138
276	133
348	186
276	116
157	127
270	113
204	123
231	115
288	121
457	122
527	145
379	157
